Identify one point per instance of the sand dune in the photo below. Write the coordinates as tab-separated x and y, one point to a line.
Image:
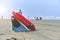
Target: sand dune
46	30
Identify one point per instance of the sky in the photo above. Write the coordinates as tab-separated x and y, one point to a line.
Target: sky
31	8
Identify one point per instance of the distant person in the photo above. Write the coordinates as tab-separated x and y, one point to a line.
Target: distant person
20	11
2	17
40	18
37	18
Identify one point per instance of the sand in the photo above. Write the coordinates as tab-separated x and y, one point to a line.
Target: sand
45	30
